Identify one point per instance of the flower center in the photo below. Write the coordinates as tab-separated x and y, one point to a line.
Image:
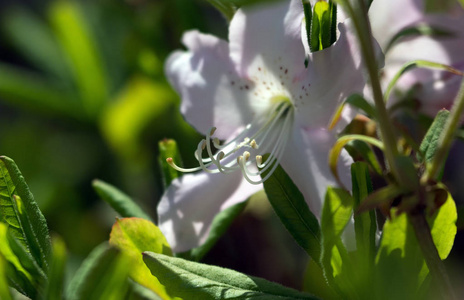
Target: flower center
268	133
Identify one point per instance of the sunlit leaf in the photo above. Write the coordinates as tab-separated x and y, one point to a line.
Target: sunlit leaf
119	201
290	206
336	215
20	211
134	236
359	148
192	280
401	268
102	275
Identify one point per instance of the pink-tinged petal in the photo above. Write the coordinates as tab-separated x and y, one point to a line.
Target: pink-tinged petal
266	38
435	89
388	17
191	202
306	162
331	76
212	93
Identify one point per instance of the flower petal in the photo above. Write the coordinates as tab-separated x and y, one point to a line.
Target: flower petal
306	162
212	93
191	202
267	38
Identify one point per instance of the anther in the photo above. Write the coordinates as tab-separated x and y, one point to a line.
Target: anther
169	160
203	145
246	155
220	155
254	144
213	130
259	160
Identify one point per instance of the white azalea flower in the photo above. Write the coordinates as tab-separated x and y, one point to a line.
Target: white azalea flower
435	89
262	99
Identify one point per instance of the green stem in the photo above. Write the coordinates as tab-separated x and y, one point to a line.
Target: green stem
431	256
362	26
446	137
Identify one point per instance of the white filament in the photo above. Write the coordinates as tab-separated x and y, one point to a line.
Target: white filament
274	133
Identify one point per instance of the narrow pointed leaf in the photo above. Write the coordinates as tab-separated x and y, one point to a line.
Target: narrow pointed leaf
417	64
338	147
20	211
429	144
359	148
365	225
421	29
380	197
192	280
336	214
290	206
358	101
56	273
119	201
134	236
102	275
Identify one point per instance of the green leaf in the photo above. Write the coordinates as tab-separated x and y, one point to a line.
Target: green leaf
290	206
365	225
192	280
56	273
421	29
381	197
401	268
102	275
429	144
168	149
336	214
338	147
358	101
315	283
19	210
134	236
417	64
4	289
34	39
308	13
359	148
80	48
119	201
139	292
219	226
408	175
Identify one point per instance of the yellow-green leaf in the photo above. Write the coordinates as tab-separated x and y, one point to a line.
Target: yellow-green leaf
134	236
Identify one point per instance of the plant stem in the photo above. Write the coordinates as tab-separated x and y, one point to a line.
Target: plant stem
362	26
447	137
431	256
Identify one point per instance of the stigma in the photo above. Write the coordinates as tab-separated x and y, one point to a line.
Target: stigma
266	134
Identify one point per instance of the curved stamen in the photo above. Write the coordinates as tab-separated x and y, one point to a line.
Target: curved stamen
270	134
